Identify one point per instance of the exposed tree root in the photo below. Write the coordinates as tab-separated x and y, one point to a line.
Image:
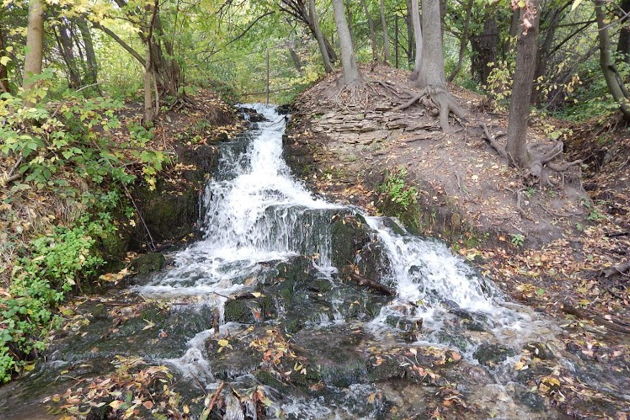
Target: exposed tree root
443	101
541	167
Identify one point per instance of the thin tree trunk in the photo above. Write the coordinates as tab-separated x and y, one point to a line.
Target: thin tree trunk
4	72
463	41
371	30
516	147
418	41
323	49
34	42
66	48
613	79
351	74
411	54
385	32
122	43
91	74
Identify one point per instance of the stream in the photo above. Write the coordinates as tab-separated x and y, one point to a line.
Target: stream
273	300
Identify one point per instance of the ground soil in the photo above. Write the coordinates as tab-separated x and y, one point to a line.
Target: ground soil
546	249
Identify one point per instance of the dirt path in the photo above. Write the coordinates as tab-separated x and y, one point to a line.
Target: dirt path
545	247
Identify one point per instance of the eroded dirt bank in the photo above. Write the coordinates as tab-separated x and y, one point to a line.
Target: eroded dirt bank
550	248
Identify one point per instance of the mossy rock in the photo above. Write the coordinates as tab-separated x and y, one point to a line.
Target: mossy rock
492	354
148	263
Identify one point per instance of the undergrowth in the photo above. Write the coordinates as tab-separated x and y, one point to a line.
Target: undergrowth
399	199
61	148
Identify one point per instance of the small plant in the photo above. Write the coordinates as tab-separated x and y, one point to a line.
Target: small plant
595	215
397	190
517	239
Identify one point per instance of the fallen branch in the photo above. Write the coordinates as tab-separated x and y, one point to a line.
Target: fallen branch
374	285
612	325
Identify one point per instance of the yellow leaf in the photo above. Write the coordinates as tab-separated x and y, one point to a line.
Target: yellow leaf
224	343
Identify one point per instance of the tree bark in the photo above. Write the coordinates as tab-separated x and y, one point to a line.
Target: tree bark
463	41
351	74
34	42
91	74
516	147
323	49
418	41
385	32
411	53
4	71
66	48
623	45
432	64
371	31
484	47
613	79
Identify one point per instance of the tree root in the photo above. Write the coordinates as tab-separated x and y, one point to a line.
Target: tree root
541	166
443	101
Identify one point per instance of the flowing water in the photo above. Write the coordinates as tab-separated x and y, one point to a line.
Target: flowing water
272	302
256	214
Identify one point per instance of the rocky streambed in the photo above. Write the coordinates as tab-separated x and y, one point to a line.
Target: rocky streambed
294	307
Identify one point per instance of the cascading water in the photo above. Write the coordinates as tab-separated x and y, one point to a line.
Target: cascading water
256	215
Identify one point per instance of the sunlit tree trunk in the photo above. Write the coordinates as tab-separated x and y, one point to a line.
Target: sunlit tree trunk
351	74
516	147
34	42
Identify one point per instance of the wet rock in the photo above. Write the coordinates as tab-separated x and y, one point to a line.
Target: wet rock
540	350
148	263
285	109
532	400
492	354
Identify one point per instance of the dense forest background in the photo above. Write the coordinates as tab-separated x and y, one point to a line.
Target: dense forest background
86	84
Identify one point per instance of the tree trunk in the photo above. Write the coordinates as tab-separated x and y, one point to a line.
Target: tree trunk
418	42
34	42
149	101
4	72
411	54
516	147
66	48
296	60
372	32
120	42
463	41
623	45
323	49
91	74
484	48
613	79
432	63
385	32
351	74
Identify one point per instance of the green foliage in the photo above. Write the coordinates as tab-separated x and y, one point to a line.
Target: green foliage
400	199
47	271
398	192
57	145
518	239
71	133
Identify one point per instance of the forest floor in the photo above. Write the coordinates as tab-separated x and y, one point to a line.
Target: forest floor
550	248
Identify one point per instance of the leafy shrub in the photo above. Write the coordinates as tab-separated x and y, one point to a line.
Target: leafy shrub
400	200
52	265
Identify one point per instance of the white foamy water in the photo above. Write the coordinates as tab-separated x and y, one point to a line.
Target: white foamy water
255	212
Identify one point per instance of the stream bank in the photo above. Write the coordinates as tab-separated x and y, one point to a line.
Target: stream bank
296	307
547	252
